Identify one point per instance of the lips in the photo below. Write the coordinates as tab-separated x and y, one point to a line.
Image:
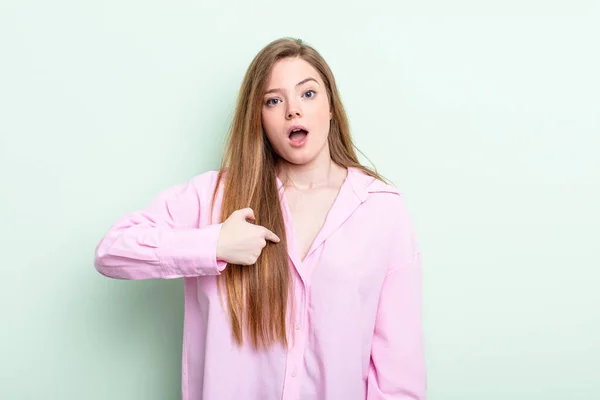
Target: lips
297	129
298	135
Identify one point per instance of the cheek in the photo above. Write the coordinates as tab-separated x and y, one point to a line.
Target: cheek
322	115
269	124
265	119
322	110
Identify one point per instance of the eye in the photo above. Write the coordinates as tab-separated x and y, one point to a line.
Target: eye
272	102
310	94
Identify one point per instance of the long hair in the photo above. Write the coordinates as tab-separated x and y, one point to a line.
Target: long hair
258	296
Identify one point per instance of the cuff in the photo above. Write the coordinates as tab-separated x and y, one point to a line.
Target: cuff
190	252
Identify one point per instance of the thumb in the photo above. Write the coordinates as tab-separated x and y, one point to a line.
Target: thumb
247	213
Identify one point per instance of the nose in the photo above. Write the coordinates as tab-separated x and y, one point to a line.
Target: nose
293	110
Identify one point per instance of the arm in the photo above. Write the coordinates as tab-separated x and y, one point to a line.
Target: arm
397	368
161	241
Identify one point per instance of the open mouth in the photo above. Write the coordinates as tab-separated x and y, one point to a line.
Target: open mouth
298	135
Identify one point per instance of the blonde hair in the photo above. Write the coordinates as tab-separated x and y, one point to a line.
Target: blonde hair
258	295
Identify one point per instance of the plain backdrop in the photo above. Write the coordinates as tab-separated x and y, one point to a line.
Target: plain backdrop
485	114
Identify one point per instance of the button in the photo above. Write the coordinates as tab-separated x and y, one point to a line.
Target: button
298	326
294	374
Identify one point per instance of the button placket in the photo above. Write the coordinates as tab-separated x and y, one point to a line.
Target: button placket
296	350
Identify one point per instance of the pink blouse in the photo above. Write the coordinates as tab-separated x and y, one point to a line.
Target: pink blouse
357	323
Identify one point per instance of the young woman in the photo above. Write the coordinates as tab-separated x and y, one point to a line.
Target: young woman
301	269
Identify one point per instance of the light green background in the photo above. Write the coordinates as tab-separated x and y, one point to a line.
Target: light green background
486	114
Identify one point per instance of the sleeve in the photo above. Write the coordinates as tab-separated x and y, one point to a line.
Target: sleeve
397	367
161	241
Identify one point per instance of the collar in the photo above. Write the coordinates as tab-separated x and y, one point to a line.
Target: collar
363	184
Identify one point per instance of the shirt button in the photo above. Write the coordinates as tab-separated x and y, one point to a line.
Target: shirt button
293	374
298	326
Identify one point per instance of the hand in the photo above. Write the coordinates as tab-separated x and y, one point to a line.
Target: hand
241	242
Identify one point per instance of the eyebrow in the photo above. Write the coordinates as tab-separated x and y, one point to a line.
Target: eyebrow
302	82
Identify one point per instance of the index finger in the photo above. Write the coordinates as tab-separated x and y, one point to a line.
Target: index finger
271	236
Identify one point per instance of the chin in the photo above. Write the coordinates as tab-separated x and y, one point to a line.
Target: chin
299	159
301	156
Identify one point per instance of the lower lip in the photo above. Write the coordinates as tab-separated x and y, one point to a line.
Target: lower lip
299	143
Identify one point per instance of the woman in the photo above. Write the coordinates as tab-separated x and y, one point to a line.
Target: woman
301	269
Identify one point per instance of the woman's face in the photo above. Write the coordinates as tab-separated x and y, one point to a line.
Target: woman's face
295	112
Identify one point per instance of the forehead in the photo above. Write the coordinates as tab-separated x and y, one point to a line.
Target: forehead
289	71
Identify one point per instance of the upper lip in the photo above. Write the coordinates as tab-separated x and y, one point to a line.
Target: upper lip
293	127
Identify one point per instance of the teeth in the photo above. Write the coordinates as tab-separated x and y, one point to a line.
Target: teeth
296	130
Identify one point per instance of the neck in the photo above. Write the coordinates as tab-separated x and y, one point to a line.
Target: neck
320	173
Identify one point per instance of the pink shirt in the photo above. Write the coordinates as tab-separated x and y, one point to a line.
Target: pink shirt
357	321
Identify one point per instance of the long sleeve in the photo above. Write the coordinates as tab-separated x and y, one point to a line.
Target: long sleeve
163	240
397	368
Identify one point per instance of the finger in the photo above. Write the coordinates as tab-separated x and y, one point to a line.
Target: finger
271	236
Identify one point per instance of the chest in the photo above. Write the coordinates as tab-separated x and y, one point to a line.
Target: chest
309	211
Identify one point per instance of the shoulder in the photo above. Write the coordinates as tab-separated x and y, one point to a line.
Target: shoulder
390	214
205	181
373	189
382	200
389	199
199	186
366	185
